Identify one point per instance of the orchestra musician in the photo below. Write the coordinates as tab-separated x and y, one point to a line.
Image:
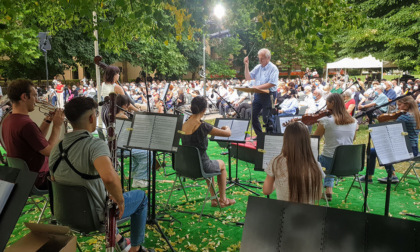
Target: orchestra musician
89	157
295	173
111	77
411	118
337	129
23	138
196	132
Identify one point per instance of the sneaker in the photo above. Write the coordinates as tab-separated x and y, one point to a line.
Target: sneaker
124	244
363	179
140	183
394	180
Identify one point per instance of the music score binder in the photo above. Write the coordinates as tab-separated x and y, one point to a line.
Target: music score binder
391	142
154	131
270	146
238	127
284	119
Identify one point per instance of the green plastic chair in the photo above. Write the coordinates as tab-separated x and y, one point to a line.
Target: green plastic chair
348	161
188	165
36	194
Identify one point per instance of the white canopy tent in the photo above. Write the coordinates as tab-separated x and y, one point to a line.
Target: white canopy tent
349	63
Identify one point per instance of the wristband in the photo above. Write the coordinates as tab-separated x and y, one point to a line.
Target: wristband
47	121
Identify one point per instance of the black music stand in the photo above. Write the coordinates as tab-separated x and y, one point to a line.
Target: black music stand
24	181
155	132
238	128
380	134
122	128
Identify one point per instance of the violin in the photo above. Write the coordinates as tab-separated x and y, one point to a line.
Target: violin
390	117
309	119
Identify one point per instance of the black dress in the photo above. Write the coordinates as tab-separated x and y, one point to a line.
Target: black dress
199	139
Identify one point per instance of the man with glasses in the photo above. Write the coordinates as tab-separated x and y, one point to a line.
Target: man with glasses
22	137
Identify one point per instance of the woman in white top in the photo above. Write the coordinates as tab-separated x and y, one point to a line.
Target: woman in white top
111	76
337	129
295	173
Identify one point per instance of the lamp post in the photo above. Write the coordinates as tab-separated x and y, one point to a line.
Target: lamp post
218	12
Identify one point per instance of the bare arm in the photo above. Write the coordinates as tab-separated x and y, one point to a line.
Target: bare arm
268	186
223	132
246	71
350	108
320	130
264	86
111	181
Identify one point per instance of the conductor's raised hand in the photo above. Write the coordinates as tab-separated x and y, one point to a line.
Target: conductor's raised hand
246	60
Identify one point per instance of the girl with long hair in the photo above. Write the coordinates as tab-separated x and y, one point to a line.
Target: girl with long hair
295	173
411	117
337	129
196	132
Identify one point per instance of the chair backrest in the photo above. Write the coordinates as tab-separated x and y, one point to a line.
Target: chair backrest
73	206
17	163
188	162
348	160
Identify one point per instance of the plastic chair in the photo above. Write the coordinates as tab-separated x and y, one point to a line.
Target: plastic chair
348	161
35	193
74	207
413	166
188	165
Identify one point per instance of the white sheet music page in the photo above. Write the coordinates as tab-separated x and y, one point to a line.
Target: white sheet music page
142	131
389	143
272	146
239	127
282	120
5	190
163	133
121	128
220	125
314	147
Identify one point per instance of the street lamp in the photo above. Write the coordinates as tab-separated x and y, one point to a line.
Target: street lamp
218	12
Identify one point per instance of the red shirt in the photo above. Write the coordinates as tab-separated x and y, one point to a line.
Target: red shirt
59	88
351	101
23	139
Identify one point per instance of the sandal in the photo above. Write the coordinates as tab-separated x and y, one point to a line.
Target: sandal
329	196
143	249
224	204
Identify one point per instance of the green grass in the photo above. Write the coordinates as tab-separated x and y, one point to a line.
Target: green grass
220	232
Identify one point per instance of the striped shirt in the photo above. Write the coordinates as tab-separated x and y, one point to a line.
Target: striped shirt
410	124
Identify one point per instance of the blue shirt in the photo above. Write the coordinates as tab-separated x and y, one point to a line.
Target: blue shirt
267	74
391	94
289	106
380	100
410	124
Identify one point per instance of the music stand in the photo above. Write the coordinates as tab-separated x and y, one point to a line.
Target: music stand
238	128
24	181
122	128
155	132
388	139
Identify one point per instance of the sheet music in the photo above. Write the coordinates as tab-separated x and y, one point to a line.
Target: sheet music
282	120
5	190
220	125
121	127
142	131
390	144
315	147
272	146
239	127
163	133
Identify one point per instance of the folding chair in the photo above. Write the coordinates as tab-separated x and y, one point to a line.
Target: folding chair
188	165
413	166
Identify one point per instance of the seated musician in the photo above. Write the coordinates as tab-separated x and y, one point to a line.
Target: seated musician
90	157
139	157
412	123
23	138
196	132
295	173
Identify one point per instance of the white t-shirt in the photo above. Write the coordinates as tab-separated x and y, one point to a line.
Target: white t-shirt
336	135
106	89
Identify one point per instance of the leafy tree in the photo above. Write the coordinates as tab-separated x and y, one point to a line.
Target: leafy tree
388	31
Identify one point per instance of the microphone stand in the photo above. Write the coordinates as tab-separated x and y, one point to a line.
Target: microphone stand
369	113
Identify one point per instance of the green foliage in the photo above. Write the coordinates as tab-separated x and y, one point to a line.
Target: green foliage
389	31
